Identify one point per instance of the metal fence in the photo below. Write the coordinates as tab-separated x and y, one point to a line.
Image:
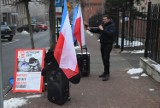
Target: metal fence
152	49
137	30
132	30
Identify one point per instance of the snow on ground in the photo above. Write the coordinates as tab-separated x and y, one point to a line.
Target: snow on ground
15	102
134	52
135	71
137	51
151	89
24	32
77	47
144	75
157	66
135	77
129	43
33	96
18	102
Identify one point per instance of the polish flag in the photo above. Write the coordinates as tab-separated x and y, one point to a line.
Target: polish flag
79	28
64	52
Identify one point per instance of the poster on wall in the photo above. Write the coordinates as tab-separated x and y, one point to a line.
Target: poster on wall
27	73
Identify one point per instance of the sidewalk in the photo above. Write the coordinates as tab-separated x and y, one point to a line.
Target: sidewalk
120	91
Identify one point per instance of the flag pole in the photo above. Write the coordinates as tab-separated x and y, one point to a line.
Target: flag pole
1	84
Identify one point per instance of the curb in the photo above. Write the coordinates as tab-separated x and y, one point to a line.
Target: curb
150	67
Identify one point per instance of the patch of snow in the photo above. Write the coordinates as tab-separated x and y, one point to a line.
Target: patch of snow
24	32
15	102
128	43
135	71
81	93
134	52
125	52
98	40
135	77
145	59
157	66
137	51
144	75
151	89
77	47
33	96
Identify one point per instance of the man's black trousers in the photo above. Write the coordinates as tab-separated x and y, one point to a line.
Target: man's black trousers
105	53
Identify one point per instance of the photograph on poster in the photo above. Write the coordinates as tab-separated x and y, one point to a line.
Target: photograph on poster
29	61
32	66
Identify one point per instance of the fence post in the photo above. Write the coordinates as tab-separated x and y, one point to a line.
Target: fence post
148	29
157	33
117	34
123	23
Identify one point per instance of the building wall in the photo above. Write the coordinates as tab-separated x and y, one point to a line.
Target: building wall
155	1
13	15
9	15
92	7
22	17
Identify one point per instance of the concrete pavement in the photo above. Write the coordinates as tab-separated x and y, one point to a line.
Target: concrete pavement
120	91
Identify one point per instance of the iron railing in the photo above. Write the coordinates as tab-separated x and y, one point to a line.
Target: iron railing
132	30
153	33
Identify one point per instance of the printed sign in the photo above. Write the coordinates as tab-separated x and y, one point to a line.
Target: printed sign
58	3
28	66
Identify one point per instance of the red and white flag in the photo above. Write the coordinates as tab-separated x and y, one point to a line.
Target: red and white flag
64	52
79	28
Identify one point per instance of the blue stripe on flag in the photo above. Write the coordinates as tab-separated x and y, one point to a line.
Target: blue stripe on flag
64	14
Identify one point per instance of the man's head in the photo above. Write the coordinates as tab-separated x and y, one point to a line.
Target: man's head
106	18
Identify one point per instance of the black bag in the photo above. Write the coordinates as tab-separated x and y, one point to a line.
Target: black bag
50	64
83	59
57	87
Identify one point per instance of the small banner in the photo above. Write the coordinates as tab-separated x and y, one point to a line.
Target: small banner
28	66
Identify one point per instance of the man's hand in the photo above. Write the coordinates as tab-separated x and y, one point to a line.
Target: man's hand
101	27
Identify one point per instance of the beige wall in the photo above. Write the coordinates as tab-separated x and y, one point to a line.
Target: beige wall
18	10
155	1
22	17
145	5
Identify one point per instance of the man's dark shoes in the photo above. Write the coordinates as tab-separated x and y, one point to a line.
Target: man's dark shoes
105	78
102	75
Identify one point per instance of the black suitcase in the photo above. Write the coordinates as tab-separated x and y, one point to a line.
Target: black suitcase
58	87
83	60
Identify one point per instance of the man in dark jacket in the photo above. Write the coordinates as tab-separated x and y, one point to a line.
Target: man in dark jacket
107	32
